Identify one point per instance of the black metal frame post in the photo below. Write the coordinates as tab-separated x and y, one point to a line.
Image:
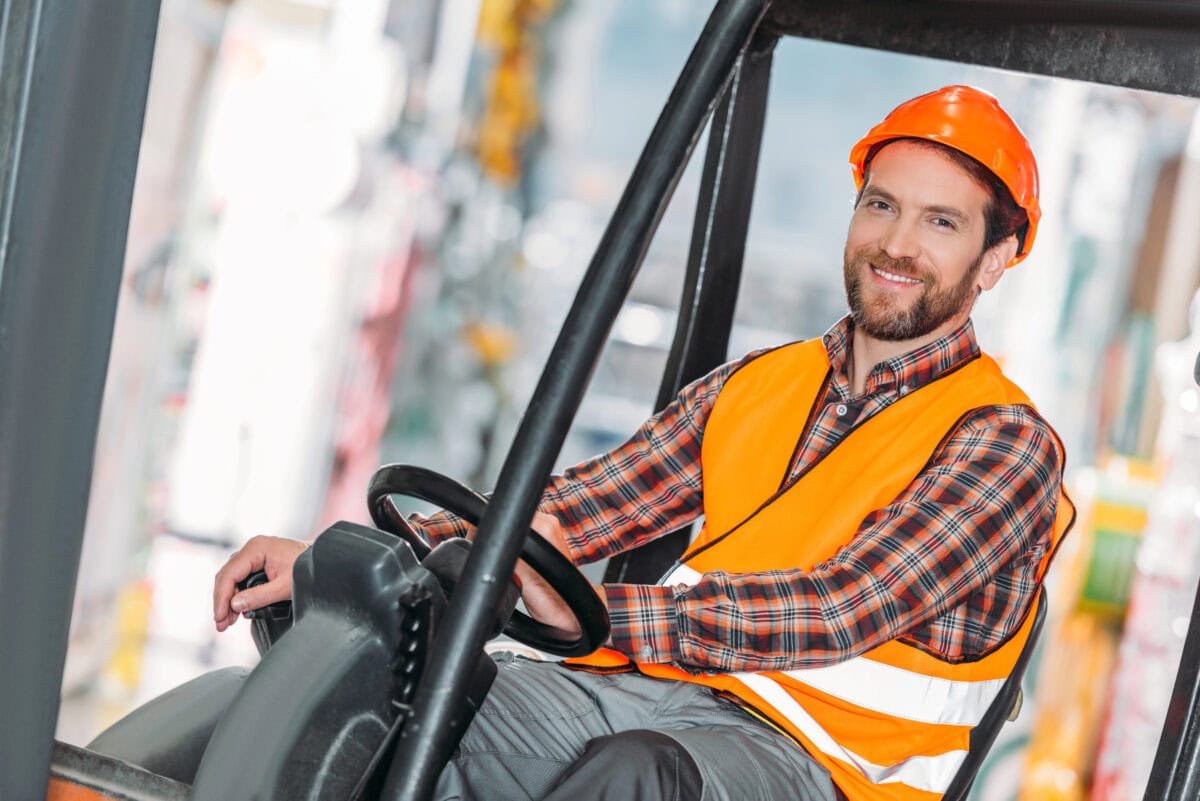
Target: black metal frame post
73	81
714	272
1176	772
426	741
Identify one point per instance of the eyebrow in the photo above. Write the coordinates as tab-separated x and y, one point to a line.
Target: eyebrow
942	211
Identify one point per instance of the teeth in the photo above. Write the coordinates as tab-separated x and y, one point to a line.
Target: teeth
894	277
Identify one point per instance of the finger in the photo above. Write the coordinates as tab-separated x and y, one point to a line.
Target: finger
227	621
224	586
240	565
525	574
545	524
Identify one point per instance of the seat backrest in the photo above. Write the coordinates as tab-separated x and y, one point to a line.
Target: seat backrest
168	735
984	735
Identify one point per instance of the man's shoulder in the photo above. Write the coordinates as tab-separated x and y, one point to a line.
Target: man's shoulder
1011	410
1007	414
783	356
1012	423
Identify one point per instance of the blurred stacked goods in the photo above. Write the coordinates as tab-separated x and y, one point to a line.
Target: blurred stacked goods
1127	593
1164	586
1092	594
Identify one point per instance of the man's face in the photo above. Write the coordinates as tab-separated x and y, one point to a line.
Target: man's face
915	245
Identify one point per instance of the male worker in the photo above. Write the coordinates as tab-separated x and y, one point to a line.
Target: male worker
880	507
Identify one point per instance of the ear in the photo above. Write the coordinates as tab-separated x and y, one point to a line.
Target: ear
995	260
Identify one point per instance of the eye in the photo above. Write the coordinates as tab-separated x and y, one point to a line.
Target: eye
942	222
879	205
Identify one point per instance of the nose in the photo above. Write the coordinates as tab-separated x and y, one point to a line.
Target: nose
899	241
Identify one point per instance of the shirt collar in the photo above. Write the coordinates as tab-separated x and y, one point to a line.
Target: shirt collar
910	370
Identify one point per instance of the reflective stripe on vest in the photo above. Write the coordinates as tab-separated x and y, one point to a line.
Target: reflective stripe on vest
932	774
884	688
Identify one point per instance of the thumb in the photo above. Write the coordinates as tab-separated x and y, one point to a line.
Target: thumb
278	589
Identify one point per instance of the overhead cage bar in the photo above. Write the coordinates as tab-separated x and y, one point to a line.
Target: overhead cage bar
1149	45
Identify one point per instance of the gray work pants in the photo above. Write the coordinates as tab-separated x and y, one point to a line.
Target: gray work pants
544	733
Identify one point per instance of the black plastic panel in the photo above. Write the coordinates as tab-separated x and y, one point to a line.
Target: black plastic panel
319	706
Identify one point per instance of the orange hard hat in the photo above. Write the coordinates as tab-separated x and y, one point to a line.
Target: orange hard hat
969	120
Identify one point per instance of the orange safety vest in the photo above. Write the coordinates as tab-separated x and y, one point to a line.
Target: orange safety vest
893	723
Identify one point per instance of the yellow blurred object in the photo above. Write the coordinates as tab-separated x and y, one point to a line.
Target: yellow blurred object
1112	537
512	114
493	343
1119	515
495	22
133	624
512	111
501	22
1072	686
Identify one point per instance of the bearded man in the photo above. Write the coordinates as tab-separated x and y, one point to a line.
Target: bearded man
880	507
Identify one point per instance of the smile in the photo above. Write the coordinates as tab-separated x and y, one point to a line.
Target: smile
900	279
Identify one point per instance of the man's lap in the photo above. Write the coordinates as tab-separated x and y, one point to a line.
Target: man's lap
539	717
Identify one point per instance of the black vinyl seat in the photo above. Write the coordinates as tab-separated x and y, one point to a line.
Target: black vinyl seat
168	736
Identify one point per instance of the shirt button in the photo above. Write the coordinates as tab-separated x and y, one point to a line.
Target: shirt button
841	409
904	389
647	652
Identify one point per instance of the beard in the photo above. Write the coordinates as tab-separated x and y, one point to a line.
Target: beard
882	319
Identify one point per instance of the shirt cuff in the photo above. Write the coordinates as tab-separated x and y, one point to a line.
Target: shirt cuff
643	620
439	527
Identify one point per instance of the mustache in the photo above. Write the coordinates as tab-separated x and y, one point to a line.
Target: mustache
903	266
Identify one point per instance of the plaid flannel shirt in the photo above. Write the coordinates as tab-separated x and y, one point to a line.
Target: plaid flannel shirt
949	566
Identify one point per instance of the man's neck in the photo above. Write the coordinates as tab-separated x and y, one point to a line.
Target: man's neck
866	351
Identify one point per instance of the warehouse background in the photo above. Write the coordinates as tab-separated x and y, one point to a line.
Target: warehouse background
357	226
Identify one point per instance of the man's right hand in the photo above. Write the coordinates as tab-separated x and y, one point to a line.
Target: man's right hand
541	601
272	555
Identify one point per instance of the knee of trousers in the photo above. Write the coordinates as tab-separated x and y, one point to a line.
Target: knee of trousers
638	764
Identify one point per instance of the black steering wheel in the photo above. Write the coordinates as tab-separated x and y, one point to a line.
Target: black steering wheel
550	564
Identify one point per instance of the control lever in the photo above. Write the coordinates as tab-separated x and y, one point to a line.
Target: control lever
269	623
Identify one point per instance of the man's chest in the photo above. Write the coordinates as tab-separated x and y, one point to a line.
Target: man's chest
833	417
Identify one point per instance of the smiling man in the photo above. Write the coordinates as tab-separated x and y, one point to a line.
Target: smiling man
915	252
880	507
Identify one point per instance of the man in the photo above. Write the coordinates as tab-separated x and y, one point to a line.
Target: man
880	507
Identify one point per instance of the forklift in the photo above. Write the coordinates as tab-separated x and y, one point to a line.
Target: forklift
371	675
